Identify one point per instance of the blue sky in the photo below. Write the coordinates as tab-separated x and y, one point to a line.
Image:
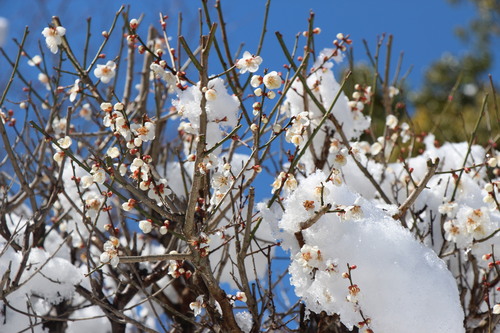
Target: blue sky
422	29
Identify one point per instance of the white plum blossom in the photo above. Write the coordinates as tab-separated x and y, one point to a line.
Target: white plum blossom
86	181
197	305
106	107
59	125
211	95
288	182
353	212
256	81
448	208
139	169
65	142
376	148
310	257
129	205
160	72
43	78
209	162
241	296
93	204
321	192
335	146
113	152
393	91
405	132
221	181
74	90
146	226
59	156
249	63
110	254
494	161
340	158
163	230
98	174
272	80
295	134
53	37
105	72
144	132
159	191
35	61
391	121
454	232
117	123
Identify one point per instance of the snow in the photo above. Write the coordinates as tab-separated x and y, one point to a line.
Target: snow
221	112
46	279
404	286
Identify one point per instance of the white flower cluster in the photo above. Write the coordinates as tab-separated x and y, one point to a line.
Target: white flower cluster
469	224
285	180
176	270
115	119
240	296
63	143
110	254
158	70
360	97
93	204
98	175
310	258
209	162
296	133
271	81
221	183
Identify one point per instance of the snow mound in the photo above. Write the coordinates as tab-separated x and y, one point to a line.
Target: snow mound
398	283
